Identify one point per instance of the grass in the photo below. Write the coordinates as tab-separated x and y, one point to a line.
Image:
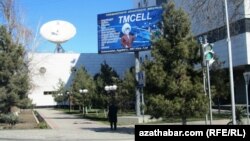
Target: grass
42	123
93	114
99	115
216	116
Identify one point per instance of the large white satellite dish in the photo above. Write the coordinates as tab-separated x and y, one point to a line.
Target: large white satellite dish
58	32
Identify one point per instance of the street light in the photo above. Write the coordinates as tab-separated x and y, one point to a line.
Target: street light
69	95
247	77
83	91
60	103
111	88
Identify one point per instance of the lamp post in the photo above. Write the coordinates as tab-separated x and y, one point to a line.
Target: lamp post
83	91
247	77
61	101
111	88
69	95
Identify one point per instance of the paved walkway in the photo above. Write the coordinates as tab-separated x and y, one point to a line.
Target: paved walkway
68	127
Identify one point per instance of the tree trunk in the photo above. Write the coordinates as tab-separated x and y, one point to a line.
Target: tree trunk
218	99
86	109
83	113
184	120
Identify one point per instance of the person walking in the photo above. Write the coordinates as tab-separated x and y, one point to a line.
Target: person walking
112	116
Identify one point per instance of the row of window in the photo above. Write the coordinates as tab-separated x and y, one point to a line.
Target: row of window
49	92
236	28
160	2
144	3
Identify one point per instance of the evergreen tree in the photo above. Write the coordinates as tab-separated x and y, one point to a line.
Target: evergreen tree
60	93
220	83
82	80
107	76
172	79
125	93
14	80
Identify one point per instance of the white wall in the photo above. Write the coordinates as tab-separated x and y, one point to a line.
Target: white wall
247	8
57	66
248	47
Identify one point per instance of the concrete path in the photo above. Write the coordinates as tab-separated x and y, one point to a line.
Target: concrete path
68	127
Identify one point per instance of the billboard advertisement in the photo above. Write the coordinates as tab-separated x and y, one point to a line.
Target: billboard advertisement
128	31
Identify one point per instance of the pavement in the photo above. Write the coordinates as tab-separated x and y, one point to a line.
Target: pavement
66	127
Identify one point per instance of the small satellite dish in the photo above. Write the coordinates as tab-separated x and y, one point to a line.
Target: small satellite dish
58	32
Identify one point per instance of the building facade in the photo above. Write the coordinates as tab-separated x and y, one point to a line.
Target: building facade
47	68
215	30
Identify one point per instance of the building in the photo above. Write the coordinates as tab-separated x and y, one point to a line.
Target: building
215	30
47	68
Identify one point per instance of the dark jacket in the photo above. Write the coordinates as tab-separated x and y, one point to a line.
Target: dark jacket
112	115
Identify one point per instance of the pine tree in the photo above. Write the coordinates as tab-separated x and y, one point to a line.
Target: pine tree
60	93
125	93
82	80
14	80
106	76
220	83
172	79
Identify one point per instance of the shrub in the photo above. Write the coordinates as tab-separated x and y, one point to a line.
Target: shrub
42	125
10	118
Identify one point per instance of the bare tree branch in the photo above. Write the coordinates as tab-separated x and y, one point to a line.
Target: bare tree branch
14	22
210	14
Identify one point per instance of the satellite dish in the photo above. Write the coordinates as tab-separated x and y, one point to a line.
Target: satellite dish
58	32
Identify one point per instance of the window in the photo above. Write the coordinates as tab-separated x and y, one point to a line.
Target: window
238	27
42	70
145	3
160	2
141	60
49	92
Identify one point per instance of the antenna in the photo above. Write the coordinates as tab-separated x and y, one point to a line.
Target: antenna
58	32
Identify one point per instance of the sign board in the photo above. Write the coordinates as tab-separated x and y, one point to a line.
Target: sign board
141	79
128	31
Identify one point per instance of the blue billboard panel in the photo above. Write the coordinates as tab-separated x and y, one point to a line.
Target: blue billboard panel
130	30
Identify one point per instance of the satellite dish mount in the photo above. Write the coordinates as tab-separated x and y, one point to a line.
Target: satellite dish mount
59	48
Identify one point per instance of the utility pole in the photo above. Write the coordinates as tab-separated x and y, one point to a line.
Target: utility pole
137	89
230	65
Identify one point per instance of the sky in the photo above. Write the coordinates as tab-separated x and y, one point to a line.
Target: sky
81	13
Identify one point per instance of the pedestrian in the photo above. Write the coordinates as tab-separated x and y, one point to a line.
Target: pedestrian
112	116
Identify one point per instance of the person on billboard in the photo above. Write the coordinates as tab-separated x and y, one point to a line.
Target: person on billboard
127	38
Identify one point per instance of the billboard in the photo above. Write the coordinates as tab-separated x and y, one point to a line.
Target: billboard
128	31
